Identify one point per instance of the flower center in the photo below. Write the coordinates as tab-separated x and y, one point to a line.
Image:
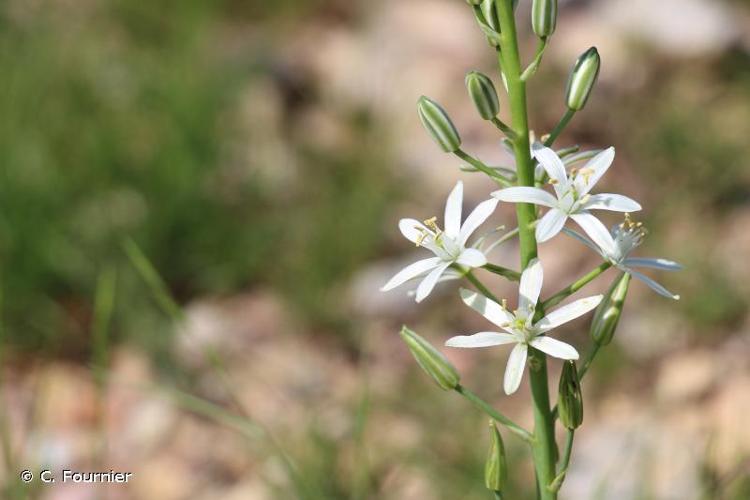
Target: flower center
628	235
433	238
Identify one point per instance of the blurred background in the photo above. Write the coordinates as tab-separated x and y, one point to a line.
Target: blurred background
198	205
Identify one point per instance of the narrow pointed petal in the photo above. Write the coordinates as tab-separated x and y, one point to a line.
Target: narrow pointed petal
410	272
612	202
514	369
596	167
584	240
476	218
551	224
654	285
525	194
424	288
453	211
490	309
596	231
554	348
567	313
530	286
471	257
554	167
663	264
481	339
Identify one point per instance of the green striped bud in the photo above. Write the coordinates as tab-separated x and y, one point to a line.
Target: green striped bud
496	468
569	399
489	10
438	124
483	94
582	79
608	313
431	360
544	17
473	2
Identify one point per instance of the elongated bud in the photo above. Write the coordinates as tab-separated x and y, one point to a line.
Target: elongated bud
431	360
489	10
473	2
569	399
496	468
438	124
544	17
608	313
483	94
582	79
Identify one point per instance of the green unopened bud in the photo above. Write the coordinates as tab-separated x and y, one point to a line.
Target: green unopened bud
569	399
438	124
608	313
496	468
489	10
582	79
483	94
473	2
431	360
544	17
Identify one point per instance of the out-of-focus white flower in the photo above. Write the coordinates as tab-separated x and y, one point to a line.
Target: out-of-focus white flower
449	245
520	328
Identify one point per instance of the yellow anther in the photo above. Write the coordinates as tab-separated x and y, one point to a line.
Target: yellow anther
586	173
432	224
505	304
553	182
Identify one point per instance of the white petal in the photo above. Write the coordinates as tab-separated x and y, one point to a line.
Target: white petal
410	272
471	257
583	240
476	218
424	288
487	308
412	229
481	339
525	194
554	167
530	286
453	211
596	231
554	348
514	369
654	285
594	170
567	313
551	224
663	264
613	202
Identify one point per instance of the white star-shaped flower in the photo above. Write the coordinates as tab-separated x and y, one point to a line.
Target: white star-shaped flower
519	325
623	239
449	245
572	196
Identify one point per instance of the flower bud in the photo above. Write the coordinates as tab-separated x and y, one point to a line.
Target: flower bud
569	399
483	94
431	360
582	79
607	315
489	10
496	468
473	2
438	124
544	17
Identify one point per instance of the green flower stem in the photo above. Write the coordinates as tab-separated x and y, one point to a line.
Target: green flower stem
559	127
478	284
575	286
503	271
494	414
564	463
588	360
544	448
505	129
531	68
498	495
500	179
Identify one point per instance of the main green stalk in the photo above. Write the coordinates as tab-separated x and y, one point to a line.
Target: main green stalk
544	446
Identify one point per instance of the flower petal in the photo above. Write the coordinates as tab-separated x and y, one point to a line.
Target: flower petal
594	169
551	224
412	229
584	240
514	369
554	167
596	231
525	194
554	348
476	218
654	285
481	339
410	272
424	288
613	202
453	211
471	257
487	308
663	264
567	313
530	286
